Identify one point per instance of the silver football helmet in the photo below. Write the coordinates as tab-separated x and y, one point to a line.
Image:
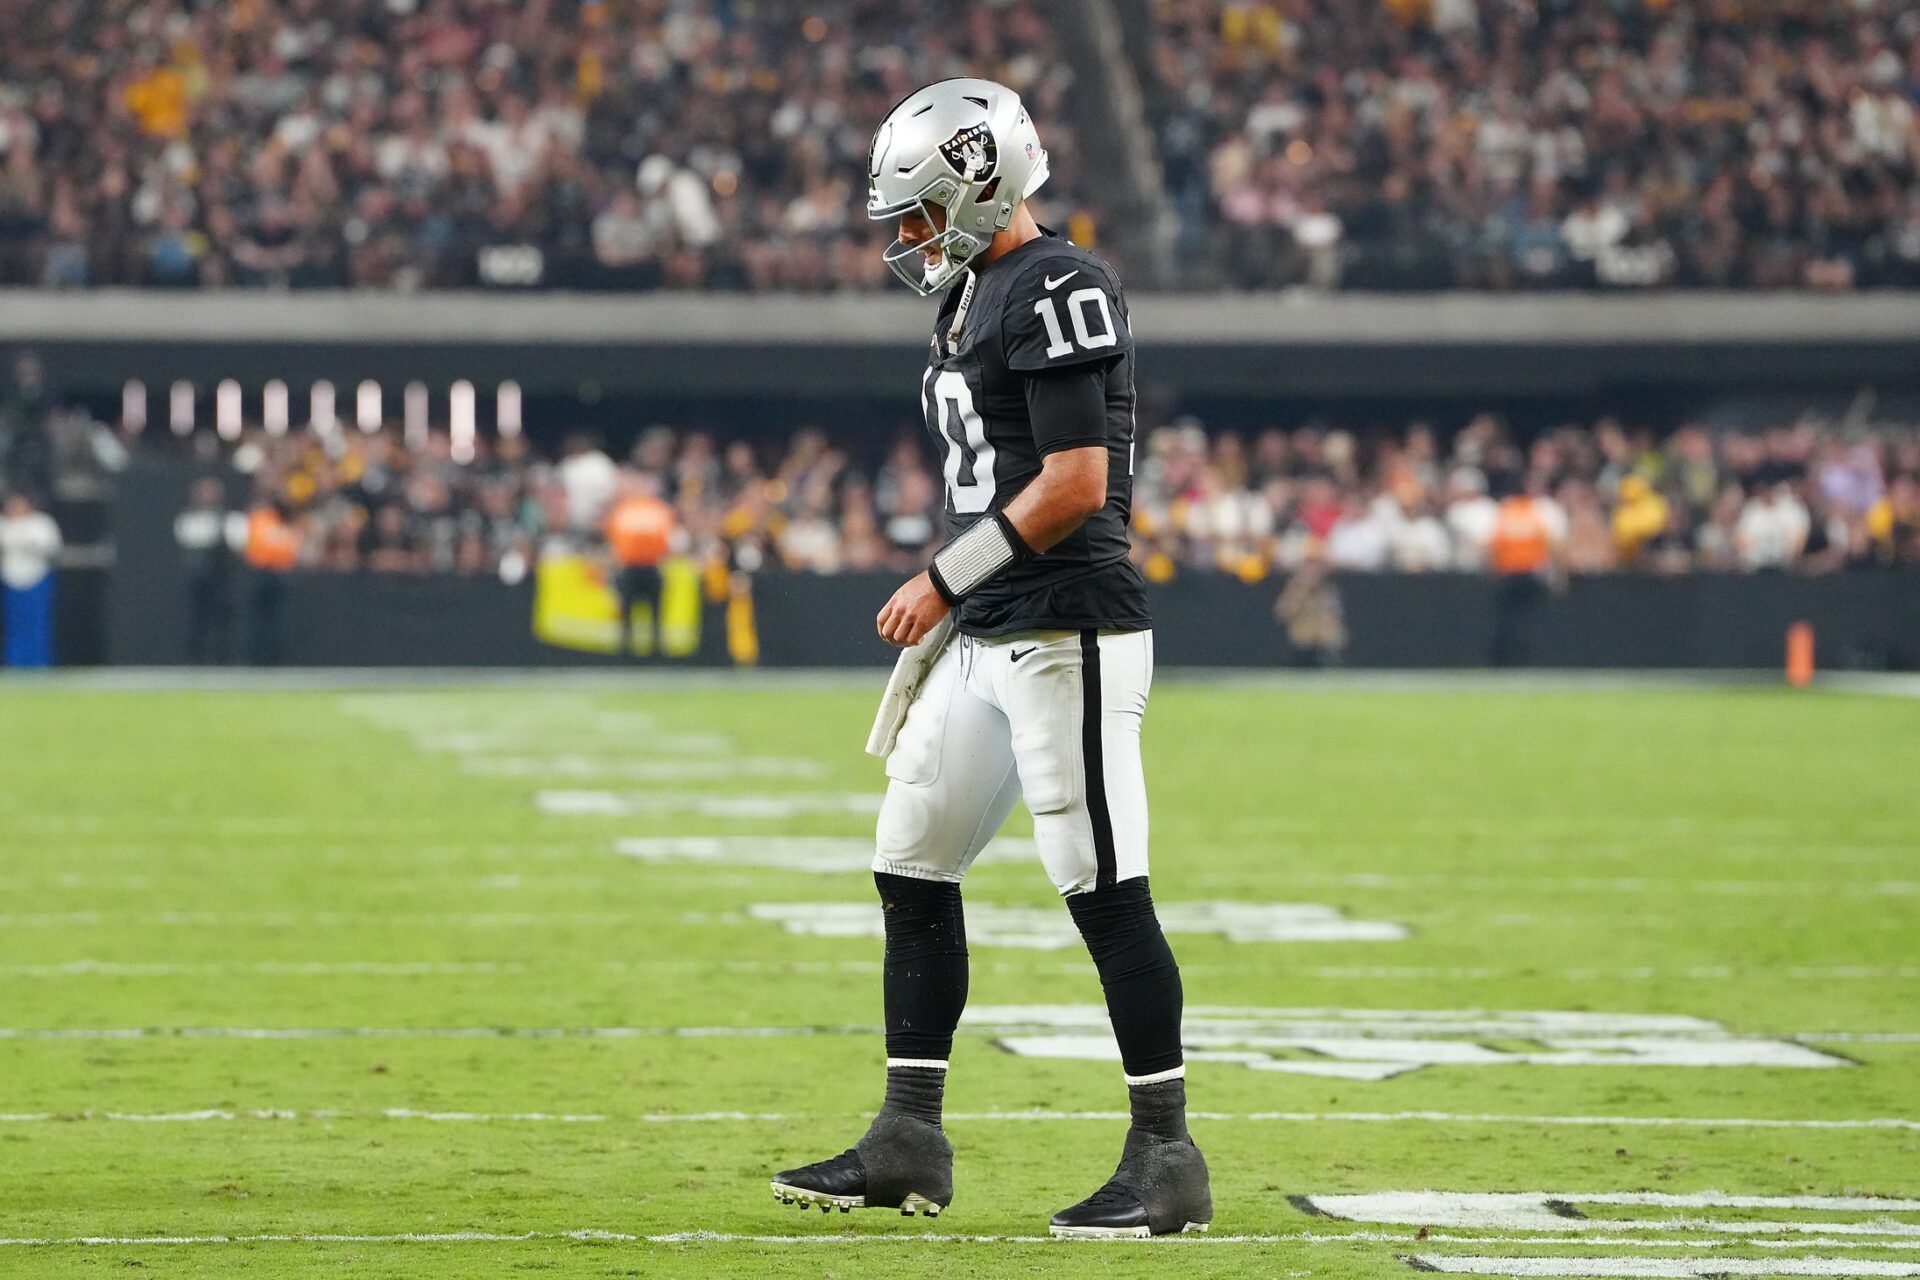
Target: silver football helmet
967	146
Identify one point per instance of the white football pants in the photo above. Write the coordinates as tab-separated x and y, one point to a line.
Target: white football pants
1053	716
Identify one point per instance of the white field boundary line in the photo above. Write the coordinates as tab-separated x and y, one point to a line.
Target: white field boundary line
1880	1123
591	1235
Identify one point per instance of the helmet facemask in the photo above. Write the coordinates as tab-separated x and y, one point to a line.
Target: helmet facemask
922	272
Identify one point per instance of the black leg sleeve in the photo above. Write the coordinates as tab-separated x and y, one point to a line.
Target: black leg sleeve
1137	972
926	965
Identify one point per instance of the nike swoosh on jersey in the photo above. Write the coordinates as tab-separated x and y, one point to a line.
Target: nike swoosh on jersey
1055	284
1020	653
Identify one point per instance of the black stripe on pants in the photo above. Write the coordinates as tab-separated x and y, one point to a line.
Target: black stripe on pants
1094	759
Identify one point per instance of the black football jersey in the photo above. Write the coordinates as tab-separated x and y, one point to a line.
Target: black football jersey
1047	307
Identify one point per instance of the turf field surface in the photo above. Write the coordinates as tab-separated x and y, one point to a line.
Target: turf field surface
461	980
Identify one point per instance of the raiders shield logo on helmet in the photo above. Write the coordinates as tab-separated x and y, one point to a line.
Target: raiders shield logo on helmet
972	152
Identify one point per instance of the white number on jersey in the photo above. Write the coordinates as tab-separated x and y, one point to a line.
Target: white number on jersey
1057	344
969	464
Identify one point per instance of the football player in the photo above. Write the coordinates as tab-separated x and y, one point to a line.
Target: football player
1029	395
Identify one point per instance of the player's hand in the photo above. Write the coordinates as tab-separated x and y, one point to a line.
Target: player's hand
915	609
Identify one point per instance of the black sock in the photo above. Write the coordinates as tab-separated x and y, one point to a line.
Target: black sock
1137	972
916	1092
1159	1110
925	980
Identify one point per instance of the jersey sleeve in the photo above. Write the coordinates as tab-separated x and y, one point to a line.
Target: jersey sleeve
1064	312
1068	407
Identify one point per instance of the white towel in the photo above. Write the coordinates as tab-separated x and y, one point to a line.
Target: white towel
903	686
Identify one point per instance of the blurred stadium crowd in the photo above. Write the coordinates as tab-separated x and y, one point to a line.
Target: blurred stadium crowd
688	144
1803	496
1502	144
421	143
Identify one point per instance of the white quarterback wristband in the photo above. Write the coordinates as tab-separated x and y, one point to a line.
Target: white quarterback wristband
971	560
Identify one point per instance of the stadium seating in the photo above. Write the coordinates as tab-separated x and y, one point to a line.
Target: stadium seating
1404	144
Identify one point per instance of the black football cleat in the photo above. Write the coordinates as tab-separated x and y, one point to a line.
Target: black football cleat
1159	1190
901	1163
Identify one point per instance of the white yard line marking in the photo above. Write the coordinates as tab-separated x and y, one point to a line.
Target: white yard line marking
1734	1050
617	1237
1455	1264
642	769
496	741
1051	929
614	1237
267	968
415	1033
284	919
324	968
791	853
1378	1044
1641	1242
903	1238
1551	1212
1858	1037
1637	885
1641	973
409	968
1880	1123
626	804
456	1117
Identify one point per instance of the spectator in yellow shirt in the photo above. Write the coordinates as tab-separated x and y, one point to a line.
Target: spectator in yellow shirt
158	102
1639	518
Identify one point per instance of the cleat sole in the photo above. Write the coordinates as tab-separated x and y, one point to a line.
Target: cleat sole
1099	1233
1115	1233
787	1193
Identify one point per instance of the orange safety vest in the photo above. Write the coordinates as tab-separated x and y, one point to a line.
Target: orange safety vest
1521	542
271	542
641	530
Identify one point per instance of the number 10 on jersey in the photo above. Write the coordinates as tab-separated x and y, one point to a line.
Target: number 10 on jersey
969	461
1084	335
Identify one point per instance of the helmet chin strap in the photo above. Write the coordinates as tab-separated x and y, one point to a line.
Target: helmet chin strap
960	312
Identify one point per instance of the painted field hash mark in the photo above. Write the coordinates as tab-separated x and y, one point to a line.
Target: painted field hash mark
1378	1044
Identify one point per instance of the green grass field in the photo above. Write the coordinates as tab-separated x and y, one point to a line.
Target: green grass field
505	1046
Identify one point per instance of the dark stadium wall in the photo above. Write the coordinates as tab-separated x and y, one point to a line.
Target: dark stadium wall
1862	620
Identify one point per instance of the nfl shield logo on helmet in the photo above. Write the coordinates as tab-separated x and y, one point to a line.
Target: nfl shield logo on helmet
972	152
